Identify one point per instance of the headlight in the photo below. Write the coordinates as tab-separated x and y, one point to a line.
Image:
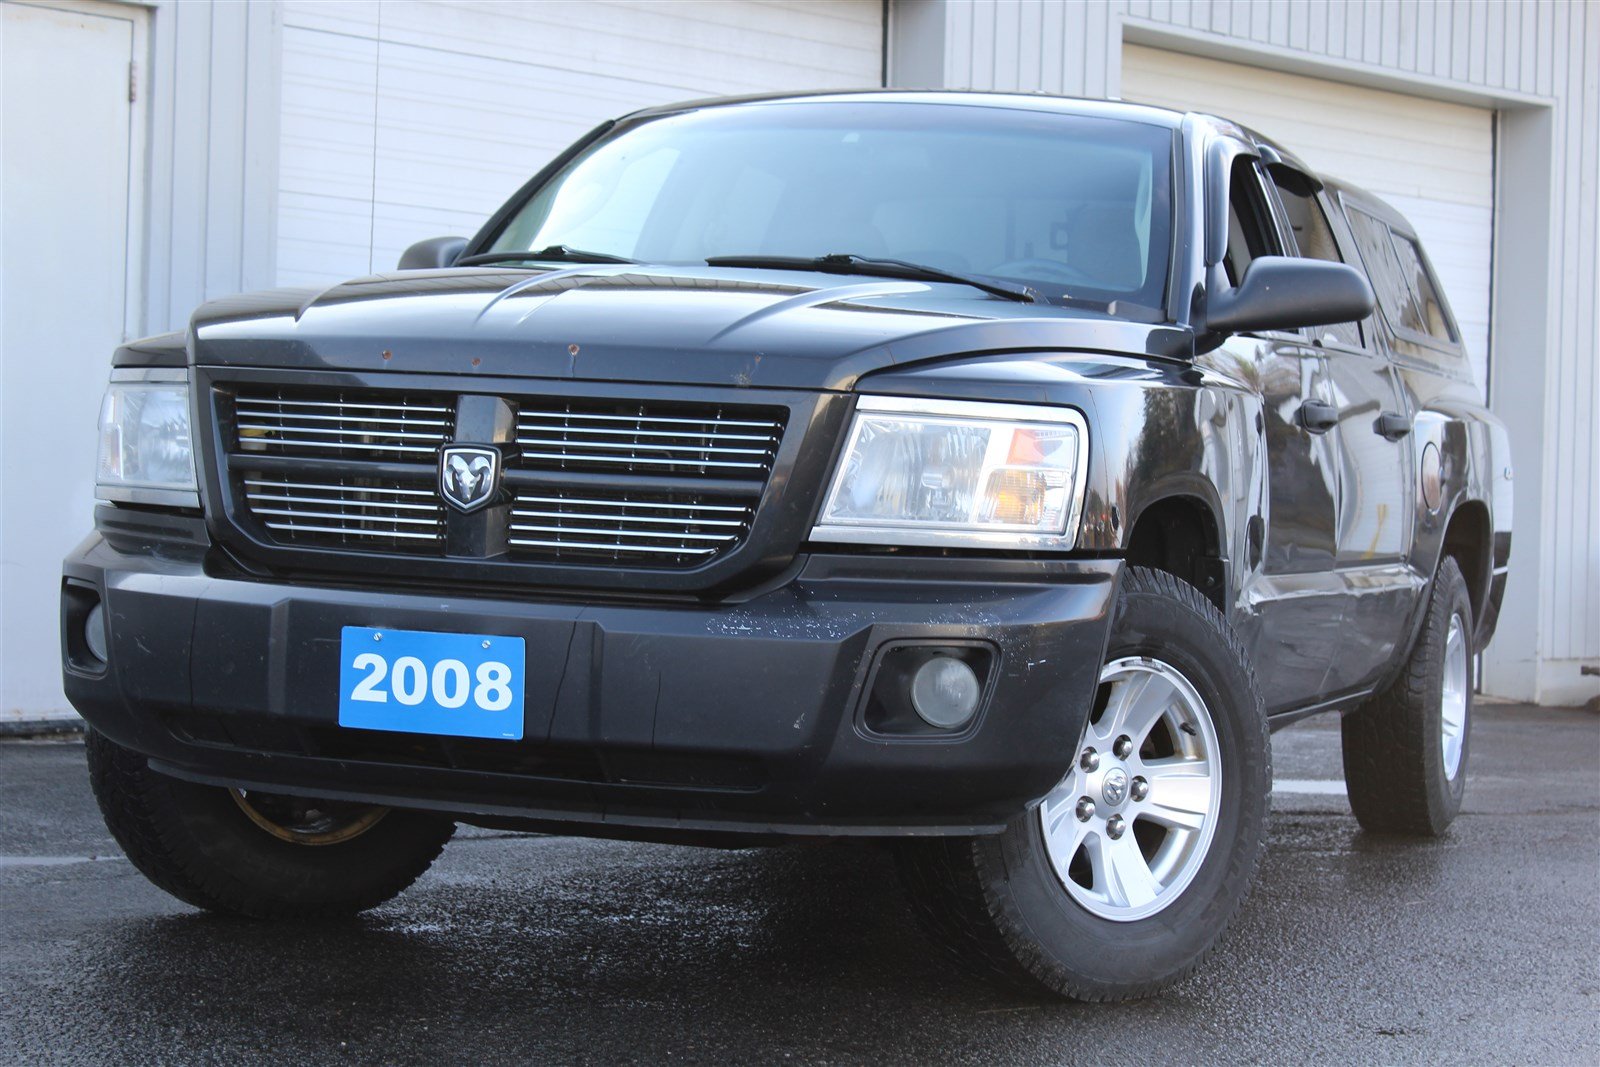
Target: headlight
146	450
941	472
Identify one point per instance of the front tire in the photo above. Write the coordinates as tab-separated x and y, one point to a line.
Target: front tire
259	855
1405	750
1121	881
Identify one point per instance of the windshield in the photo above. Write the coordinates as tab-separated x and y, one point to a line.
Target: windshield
1070	205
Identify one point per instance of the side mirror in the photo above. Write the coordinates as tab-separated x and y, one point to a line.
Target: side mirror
434	253
1285	293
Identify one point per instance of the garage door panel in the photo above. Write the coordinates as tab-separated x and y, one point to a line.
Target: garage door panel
1335	127
1433	161
403	118
651	42
322	239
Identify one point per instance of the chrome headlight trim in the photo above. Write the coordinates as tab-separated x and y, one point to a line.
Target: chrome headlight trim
925	535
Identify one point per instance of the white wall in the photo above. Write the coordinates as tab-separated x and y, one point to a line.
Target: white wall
1537	62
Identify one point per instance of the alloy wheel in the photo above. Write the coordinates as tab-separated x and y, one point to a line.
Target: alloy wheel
1453	697
1128	829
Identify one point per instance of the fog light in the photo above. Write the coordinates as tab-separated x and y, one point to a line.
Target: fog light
94	632
944	691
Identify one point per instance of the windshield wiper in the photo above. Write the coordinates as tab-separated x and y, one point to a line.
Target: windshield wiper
849	263
563	253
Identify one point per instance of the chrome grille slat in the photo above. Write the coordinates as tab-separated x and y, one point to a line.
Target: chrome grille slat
610	432
351	512
614	517
358	405
675	535
654	504
583	525
274	498
647	460
366	424
401	420
625	436
523	542
711	420
350	444
542	442
325	431
322	485
347	531
404	520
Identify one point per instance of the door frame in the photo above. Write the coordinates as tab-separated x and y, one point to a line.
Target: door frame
137	15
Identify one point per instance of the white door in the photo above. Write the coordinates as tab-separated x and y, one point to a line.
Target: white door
410	120
68	166
1433	161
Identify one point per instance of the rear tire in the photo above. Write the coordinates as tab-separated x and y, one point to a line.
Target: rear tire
263	856
1405	750
1035	905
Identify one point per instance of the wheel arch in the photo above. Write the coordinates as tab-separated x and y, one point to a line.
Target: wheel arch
1469	540
1180	532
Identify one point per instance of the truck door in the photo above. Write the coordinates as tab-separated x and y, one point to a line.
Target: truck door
1289	614
1372	442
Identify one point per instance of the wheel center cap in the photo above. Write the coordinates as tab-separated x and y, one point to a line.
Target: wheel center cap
1114	787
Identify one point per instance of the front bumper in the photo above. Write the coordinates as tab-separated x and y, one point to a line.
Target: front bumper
742	717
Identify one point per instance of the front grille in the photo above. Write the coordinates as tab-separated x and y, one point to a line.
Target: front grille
616	485
333	424
348	513
680	530
578	435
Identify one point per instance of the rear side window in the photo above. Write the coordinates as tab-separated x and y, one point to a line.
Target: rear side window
1426	293
1406	290
1314	238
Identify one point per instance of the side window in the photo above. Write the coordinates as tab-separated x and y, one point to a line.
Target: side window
1384	271
1429	308
1250	229
1314	238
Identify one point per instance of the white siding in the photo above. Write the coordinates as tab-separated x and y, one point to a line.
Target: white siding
1522	56
211	88
1432	160
411	120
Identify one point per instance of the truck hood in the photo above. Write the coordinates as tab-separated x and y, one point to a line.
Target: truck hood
677	325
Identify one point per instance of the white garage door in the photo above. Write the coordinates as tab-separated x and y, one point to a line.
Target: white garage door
1433	161
409	120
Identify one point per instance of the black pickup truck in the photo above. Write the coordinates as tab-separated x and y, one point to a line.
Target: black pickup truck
987	474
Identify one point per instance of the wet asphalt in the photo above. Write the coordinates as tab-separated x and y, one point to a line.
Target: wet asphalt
1483	946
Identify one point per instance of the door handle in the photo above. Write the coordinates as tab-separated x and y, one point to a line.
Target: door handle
1391	427
1318	417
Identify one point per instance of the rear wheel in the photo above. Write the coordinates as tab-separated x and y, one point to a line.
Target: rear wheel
1405	750
1120	882
264	855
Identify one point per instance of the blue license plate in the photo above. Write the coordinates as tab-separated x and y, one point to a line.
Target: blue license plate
415	682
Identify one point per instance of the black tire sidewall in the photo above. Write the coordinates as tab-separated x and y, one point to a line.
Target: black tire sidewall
1101	954
195	842
1449	598
220	835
